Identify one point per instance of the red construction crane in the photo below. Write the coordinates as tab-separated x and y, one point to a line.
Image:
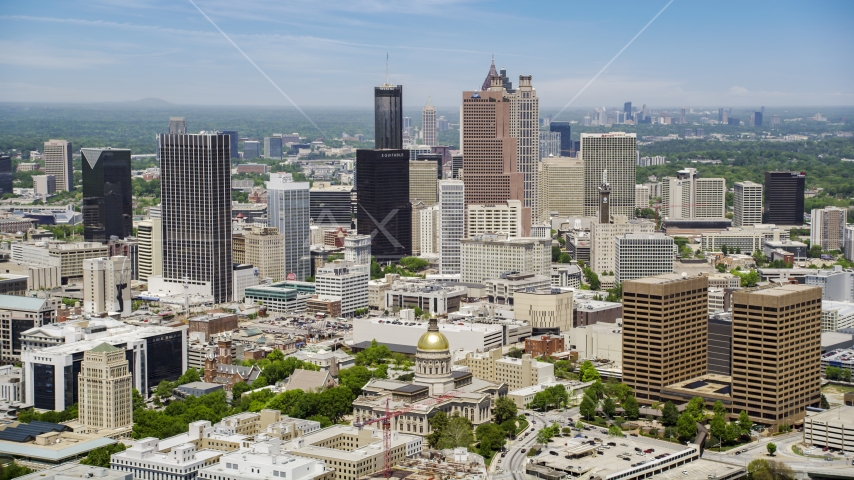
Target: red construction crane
387	417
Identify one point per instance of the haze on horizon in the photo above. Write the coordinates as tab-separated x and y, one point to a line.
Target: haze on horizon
331	53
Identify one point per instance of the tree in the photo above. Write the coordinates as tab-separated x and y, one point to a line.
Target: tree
587	407
724	250
510	426
504	409
555	254
14	470
438	423
457	434
631	407
762	469
137	400
608	407
490	436
276	356
824	403
771	447
566	431
669	414
579	425
588	372
814	251
696	408
597	389
717	426
686	427
618	391
515	352
744	423
564	258
615	431
355	378
373	355
544	436
100	457
719	409
239	389
324	421
732	432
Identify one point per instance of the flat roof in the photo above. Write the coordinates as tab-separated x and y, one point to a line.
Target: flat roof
780	290
842	414
660	279
55	452
698	469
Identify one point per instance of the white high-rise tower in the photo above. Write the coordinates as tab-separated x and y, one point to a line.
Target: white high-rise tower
525	127
615	152
428	125
452	209
747	204
57	162
289	211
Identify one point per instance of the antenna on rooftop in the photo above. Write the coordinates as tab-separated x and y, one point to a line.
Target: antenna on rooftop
386	68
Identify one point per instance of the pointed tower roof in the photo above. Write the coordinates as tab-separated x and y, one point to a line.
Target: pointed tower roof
104	347
429	105
492	73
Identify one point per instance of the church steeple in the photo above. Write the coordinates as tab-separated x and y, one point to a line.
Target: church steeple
492	73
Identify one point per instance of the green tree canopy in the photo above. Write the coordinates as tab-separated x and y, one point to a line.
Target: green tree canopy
686	427
669	414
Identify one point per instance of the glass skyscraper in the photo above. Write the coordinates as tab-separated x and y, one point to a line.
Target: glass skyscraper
289	210
565	130
107	194
388	116
384	210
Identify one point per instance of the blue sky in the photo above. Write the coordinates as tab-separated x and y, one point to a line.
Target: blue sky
331	52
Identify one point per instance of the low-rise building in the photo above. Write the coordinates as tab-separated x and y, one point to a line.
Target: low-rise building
836	315
544	345
10	383
566	276
836	284
144	460
325	305
281	297
514	372
744	240
432	297
833	429
206	326
475	336
73	471
588	312
266	459
547	310
522	397
797	249
377	290
500	290
599	341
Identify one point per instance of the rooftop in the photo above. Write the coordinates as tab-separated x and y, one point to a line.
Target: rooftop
69	471
14	302
841	414
781	290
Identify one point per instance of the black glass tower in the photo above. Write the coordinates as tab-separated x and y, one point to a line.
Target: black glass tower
627	109
757	119
565	136
107	194
6	175
388	116
784	198
232	141
383	210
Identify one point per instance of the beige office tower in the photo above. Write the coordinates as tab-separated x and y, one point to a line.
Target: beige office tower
505	218
688	196
615	152
561	187
641	196
776	352
489	150
265	250
525	127
106	285
429	132
105	386
423	180
57	162
747	204
428	235
665	332
417	207
150	254
828	227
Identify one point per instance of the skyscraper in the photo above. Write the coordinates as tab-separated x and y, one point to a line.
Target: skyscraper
452	210
388	116
288	207
107	194
233	138
106	285
721	115
195	179
6	175
627	109
665	332
747	204
616	153
561	187
490	151
689	196
251	149
273	147
757	119
177	126
105	389
423	181
565	130
428	125
776	337
524	126
828	227
784	198
150	253
549	144
384	210
57	162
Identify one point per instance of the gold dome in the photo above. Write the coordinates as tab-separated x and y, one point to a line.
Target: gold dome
434	341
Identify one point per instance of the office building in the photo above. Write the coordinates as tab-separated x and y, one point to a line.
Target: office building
643	255
747	204
655	354
784	198
490	167
431	297
565	131
19	314
106	285
57	162
503	218
836	285
757	119
490	256
6	175
288	211
67	256
641	196
549	144
107	194
547	310
423	178
149	233
603	240
429	133
524	126
745	240
144	459
561	187
615	153
232	142
452	229
264	248
154	353
177	126
456	165
251	149
44	184
347	281
828	227
266	459
384	210
767	323
195	178
501	290
273	147
687	196
105	390
848	242
471	336
514	372
331	205
720	342
388	117
357	249
284	297
428	231
627	110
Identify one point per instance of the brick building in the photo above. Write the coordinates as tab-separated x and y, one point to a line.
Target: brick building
545	345
213	324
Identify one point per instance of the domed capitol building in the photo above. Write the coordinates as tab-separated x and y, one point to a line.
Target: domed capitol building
434	377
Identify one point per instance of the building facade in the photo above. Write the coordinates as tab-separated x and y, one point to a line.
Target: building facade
57	162
347	281
452	227
688	196
502	218
747	204
643	255
288	211
561	187
150	258
384	210
784	198
490	256
828	227
615	155
423	178
603	240
105	390
388	117
106	285
107	194
429	133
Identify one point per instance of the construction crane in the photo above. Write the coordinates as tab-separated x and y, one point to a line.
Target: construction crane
388	416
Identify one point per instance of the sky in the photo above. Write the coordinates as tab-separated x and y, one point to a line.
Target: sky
332	52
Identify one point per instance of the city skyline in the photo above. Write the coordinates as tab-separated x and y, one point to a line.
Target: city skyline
306	49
